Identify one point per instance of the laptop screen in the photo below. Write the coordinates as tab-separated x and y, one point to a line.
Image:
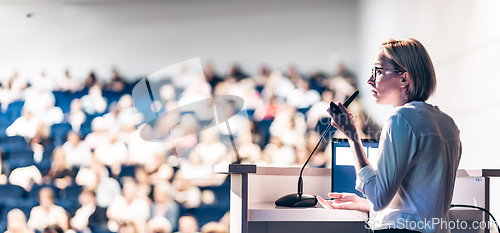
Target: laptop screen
343	172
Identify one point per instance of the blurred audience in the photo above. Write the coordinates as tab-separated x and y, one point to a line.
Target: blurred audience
128	207
47	213
53	229
26	177
25	126
164	205
60	174
159	224
16	222
89	217
278	124
188	224
77	152
94	102
76	116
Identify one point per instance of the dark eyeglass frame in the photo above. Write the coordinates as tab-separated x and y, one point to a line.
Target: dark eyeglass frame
374	71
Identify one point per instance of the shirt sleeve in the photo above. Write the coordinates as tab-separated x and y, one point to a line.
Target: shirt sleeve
397	149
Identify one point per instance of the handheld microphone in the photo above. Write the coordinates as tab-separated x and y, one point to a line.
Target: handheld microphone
306	200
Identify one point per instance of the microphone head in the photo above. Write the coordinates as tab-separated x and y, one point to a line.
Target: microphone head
351	98
335	109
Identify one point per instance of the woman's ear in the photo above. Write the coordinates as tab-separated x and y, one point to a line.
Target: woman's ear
405	80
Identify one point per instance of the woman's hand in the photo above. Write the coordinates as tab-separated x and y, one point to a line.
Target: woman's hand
344	122
345	201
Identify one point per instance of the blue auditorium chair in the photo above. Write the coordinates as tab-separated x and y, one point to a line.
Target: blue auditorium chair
21	158
206	214
63	100
303	110
14	109
59	132
264	126
127	170
14	140
71	193
22	204
11	191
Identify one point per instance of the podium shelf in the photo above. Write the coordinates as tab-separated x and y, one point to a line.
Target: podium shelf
269	212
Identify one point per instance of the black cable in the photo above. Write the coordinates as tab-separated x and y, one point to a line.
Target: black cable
479	208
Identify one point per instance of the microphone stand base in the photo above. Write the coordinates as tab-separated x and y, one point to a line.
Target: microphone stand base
297	200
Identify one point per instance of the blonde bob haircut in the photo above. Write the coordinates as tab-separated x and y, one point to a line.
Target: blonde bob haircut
409	55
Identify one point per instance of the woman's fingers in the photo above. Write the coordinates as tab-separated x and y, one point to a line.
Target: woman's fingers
335	125
343	206
324	203
335	195
343	109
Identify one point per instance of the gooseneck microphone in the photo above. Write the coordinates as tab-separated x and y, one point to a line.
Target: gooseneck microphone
306	200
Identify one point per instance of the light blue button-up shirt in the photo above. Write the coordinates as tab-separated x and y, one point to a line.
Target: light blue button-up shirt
412	186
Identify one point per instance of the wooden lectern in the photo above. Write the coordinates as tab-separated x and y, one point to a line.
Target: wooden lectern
254	190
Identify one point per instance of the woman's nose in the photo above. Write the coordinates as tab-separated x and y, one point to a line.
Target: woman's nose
370	81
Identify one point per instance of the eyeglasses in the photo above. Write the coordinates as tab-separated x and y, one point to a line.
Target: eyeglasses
374	71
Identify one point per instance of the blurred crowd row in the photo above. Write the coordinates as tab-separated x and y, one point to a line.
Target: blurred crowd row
74	158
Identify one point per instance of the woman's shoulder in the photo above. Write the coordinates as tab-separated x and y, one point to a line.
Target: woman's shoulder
415	110
422	118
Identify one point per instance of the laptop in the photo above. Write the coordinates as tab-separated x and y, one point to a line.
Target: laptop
343	171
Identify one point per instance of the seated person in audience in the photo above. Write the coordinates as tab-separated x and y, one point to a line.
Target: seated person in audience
76	116
128	227
37	98
16	222
66	83
276	153
51	114
317	111
90	80
302	97
139	150
78	153
159	224
210	149
53	229
164	205
237	122
97	178
188	224
117	83
267	110
59	172
26	177
112	153
278	85
186	193
127	112
249	152
290	126
225	220
214	227
99	134
94	102
341	87
89	216
47	213
143	183
195	169
8	94
25	126
159	170
128	207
